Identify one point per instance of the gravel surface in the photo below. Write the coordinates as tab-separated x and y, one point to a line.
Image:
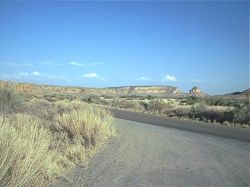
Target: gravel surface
148	155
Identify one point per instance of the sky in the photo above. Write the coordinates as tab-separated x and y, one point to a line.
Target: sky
119	43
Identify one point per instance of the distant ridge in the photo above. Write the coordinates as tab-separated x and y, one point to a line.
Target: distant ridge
237	95
112	87
156	90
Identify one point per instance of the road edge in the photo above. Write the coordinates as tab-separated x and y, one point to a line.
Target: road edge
189	125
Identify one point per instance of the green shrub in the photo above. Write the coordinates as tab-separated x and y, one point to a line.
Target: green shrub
191	100
144	104
150	97
59	97
219	101
198	110
130	97
91	99
241	113
107	96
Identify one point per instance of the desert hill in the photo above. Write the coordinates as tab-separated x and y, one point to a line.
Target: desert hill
113	91
160	91
238	95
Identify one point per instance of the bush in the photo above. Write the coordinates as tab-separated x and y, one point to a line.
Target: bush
88	124
130	105
91	99
10	101
41	108
26	158
150	97
180	112
157	106
198	110
59	97
130	97
219	101
49	139
226	123
191	100
46	110
241	113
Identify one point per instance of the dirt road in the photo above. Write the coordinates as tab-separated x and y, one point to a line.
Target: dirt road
148	155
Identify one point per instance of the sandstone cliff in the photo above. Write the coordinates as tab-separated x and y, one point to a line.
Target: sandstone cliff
159	91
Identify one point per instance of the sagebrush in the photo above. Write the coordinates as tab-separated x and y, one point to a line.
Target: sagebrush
44	140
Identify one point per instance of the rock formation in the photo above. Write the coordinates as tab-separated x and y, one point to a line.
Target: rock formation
196	91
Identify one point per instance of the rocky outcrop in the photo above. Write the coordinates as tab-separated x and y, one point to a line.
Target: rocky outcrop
144	90
158	91
196	91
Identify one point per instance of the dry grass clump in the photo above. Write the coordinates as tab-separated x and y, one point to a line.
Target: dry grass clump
127	104
10	101
46	110
158	106
26	157
45	140
82	124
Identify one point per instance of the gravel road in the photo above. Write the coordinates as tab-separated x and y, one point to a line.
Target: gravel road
147	155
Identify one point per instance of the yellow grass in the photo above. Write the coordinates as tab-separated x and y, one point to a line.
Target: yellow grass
25	157
33	153
82	124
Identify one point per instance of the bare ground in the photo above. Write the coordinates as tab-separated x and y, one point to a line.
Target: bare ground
147	155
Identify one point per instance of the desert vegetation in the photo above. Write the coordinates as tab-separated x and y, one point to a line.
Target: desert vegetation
42	140
45	133
167	101
214	110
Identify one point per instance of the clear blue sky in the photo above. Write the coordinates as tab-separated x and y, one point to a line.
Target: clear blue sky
99	44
